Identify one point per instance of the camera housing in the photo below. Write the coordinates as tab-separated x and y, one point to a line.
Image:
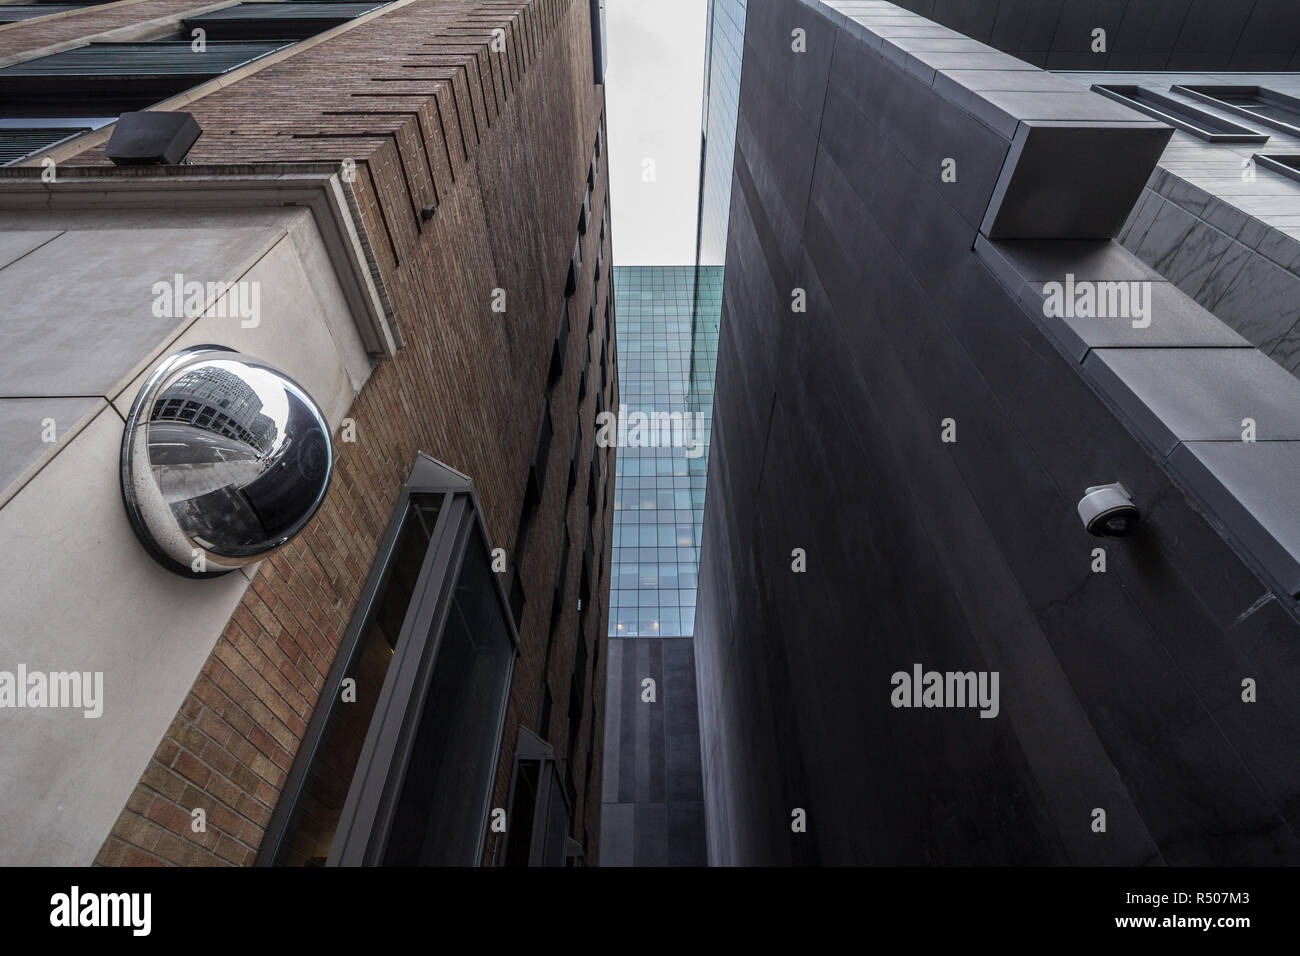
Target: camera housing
1108	511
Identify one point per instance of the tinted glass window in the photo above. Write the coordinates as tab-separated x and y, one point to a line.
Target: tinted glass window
522	808
316	814
448	780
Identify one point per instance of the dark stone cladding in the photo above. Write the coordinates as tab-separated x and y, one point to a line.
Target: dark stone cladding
1199	35
1120	691
653	812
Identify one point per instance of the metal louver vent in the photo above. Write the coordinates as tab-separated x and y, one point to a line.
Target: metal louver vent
109	78
17	144
142	60
262	21
298	10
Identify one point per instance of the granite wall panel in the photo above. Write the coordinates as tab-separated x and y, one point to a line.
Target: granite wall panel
1119	690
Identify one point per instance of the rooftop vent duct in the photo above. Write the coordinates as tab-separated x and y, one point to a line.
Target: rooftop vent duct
152	139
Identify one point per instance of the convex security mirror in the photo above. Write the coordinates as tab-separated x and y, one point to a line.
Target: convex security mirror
1108	511
224	460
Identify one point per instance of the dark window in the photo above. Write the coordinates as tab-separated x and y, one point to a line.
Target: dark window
541	454
573	457
95	82
523	807
588	568
315	818
280	21
100	78
575	269
578	683
557	604
591	749
537	832
597	20
544	718
400	770
517	596
560	347
448	778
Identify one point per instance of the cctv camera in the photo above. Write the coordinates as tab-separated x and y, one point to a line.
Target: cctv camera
1107	511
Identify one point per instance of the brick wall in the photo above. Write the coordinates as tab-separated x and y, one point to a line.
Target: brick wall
499	143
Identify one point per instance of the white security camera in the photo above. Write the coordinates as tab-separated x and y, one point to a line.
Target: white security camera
1108	511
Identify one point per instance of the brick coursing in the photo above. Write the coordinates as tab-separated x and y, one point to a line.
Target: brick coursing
499	143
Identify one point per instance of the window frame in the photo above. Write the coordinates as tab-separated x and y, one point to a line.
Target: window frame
531	747
368	811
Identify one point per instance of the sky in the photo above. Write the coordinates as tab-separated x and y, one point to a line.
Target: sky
654	85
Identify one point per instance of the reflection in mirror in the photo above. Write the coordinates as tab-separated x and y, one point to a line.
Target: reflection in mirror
225	458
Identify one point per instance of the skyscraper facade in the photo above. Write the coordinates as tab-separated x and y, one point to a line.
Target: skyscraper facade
659	497
724	42
653	813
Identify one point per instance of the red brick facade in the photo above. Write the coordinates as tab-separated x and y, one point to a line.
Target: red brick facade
499	144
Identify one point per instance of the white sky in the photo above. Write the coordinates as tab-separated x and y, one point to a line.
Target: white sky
654	85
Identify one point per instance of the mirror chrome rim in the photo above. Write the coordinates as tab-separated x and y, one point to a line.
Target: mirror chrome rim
168	531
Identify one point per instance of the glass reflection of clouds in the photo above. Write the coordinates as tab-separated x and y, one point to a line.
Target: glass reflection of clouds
224	460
